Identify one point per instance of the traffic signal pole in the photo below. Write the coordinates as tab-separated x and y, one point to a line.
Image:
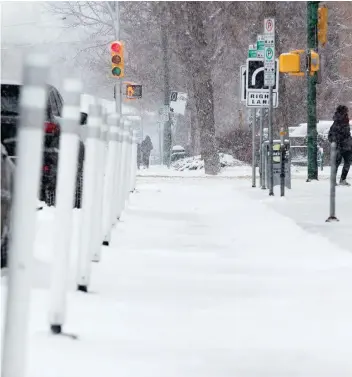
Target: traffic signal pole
167	125
312	43
115	15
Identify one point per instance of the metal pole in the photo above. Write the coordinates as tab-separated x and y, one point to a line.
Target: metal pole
115	16
65	191
264	165
270	134
254	164
282	162
29	146
260	145
333	172
312	22
167	124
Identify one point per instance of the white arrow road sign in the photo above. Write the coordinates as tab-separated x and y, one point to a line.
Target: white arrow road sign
254	76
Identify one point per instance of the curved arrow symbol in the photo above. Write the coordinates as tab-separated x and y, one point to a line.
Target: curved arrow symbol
255	74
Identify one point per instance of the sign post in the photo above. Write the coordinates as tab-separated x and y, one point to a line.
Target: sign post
254	112
269	80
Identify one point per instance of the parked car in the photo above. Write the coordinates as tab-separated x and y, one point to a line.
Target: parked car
10	93
7	173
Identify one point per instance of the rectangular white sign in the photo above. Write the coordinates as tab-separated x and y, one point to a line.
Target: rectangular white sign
179	106
257	99
269	26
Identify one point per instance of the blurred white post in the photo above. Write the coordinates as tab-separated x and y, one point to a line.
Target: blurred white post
109	181
89	197
97	227
33	99
65	191
127	186
134	162
121	178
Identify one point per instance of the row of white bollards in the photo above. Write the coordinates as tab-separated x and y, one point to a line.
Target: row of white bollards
109	176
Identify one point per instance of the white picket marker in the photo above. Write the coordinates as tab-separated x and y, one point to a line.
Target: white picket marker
33	99
98	204
110	180
89	197
117	182
134	161
128	166
65	191
122	176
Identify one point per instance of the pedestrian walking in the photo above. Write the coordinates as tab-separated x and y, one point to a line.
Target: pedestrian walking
146	148
340	133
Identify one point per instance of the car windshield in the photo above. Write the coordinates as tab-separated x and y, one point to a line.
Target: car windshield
10	99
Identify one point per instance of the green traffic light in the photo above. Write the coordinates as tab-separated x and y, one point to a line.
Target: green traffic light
116	71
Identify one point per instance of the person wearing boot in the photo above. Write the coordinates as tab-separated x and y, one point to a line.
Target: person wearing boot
340	133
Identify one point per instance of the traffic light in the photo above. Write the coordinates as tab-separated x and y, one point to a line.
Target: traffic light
322	25
117	59
314	62
291	63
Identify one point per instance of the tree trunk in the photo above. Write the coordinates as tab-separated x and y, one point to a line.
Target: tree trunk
205	110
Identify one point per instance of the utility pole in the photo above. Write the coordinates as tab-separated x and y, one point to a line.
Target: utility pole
312	43
167	124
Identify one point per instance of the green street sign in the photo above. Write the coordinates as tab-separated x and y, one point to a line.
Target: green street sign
269	53
252	51
260	42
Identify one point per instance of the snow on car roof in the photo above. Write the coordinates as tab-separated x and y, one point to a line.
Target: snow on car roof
178	148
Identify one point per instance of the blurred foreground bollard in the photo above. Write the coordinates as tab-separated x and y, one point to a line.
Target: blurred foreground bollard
65	191
89	197
121	182
333	173
134	162
97	227
33	99
110	179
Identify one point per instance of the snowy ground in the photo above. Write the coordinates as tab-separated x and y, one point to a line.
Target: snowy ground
228	172
206	278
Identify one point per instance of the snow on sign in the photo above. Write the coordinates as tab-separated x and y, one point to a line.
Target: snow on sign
178	102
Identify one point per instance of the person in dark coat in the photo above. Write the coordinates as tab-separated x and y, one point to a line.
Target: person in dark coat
340	133
146	148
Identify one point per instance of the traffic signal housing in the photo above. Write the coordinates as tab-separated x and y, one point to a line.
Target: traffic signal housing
133	91
322	25
117	59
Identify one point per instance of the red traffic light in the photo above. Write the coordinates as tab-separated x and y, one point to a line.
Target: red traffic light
115	47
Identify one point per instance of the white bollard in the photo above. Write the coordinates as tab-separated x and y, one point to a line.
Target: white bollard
97	227
89	197
134	162
117	183
121	181
109	181
122	176
33	100
65	191
128	166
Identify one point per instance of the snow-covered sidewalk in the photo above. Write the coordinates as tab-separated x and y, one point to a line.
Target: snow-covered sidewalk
200	281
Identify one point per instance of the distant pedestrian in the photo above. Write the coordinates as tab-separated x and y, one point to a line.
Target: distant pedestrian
146	148
340	133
